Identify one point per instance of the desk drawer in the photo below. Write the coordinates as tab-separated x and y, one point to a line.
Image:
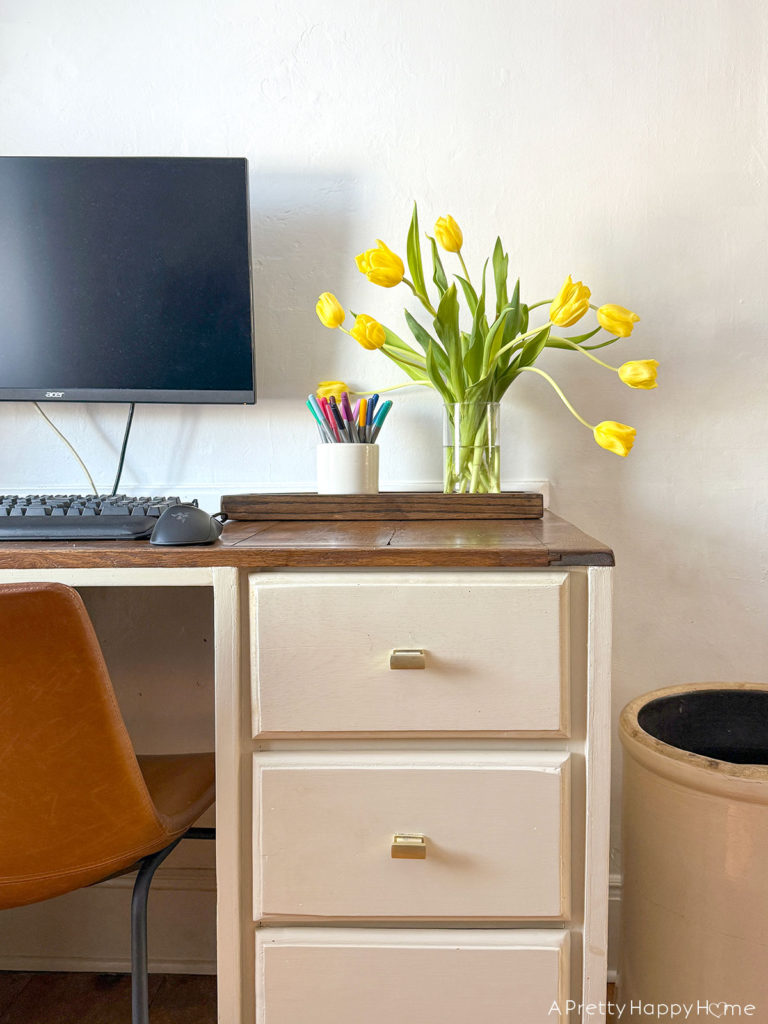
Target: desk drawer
495	653
336	976
496	830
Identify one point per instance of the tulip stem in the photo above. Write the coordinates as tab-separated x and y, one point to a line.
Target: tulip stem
463	266
394	353
569	407
544	302
578	348
422	298
518	341
394	387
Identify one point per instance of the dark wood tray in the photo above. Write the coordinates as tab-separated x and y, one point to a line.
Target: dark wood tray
387	505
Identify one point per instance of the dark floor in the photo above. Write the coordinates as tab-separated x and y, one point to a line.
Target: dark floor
104	998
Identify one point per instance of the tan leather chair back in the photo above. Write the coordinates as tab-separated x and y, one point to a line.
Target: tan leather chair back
73	803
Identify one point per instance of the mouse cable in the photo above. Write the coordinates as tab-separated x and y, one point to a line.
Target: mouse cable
122	450
53	426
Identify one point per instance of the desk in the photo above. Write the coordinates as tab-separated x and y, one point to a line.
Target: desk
543	745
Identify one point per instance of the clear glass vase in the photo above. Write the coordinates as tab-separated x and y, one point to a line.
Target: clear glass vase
471	448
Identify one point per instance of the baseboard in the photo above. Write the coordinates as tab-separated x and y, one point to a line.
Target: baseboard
174	880
98	965
88	930
614	924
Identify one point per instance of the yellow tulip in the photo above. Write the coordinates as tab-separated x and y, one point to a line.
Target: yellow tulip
571	304
448	234
368	332
329	310
617	320
326	388
615	437
381	266
639	373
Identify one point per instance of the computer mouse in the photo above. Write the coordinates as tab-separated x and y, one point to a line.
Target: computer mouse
185	524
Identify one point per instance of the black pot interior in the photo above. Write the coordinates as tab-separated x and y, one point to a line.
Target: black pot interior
729	725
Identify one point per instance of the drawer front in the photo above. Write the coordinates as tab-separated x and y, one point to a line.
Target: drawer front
495	830
495	653
338	976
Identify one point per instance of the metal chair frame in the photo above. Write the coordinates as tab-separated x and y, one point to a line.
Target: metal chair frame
139	898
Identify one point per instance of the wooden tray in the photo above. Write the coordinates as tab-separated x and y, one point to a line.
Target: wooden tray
387	505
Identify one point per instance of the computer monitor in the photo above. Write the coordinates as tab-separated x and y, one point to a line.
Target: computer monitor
125	279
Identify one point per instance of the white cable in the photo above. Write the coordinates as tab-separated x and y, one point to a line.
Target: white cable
71	448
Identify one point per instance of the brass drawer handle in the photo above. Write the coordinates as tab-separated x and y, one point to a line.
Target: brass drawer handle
409	846
407	659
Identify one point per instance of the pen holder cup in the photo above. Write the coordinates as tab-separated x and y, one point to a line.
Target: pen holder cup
347	469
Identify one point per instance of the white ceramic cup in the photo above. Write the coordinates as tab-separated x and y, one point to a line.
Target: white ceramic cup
347	469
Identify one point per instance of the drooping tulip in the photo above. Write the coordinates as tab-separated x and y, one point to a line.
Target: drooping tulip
639	373
617	320
571	303
615	437
381	266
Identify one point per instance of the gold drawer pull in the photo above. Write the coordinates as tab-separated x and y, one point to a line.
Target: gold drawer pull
409	846
407	659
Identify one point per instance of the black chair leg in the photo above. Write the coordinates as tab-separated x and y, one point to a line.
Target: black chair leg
139	972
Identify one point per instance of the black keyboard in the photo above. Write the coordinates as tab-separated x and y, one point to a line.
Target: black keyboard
80	516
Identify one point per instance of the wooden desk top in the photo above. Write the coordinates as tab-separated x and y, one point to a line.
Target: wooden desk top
529	543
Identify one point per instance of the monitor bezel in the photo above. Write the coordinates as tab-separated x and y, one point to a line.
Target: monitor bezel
151	396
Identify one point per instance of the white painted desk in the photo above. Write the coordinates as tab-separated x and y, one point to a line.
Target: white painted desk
497	752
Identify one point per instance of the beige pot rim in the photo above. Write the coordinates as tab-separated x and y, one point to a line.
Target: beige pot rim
684	766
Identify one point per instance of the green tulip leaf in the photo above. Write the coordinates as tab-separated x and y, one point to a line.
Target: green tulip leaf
575	339
533	348
503	382
447	329
500	268
481	391
439	273
397	343
414	254
399	356
511	326
438	381
473	358
425	339
469	292
523	318
494	337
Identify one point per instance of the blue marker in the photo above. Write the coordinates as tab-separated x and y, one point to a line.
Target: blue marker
381	415
369	417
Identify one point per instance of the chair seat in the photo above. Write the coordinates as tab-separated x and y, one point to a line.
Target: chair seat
181	787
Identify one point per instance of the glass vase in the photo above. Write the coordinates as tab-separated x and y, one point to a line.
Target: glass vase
471	448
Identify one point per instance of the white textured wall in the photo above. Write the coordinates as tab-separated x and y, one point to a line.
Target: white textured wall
625	143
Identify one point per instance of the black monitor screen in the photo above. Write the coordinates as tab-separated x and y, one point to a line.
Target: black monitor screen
125	279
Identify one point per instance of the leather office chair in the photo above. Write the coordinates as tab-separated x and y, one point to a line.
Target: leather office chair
77	805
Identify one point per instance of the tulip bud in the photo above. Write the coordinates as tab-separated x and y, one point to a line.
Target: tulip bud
571	304
639	373
615	437
368	332
329	310
326	388
381	266
617	320
448	234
